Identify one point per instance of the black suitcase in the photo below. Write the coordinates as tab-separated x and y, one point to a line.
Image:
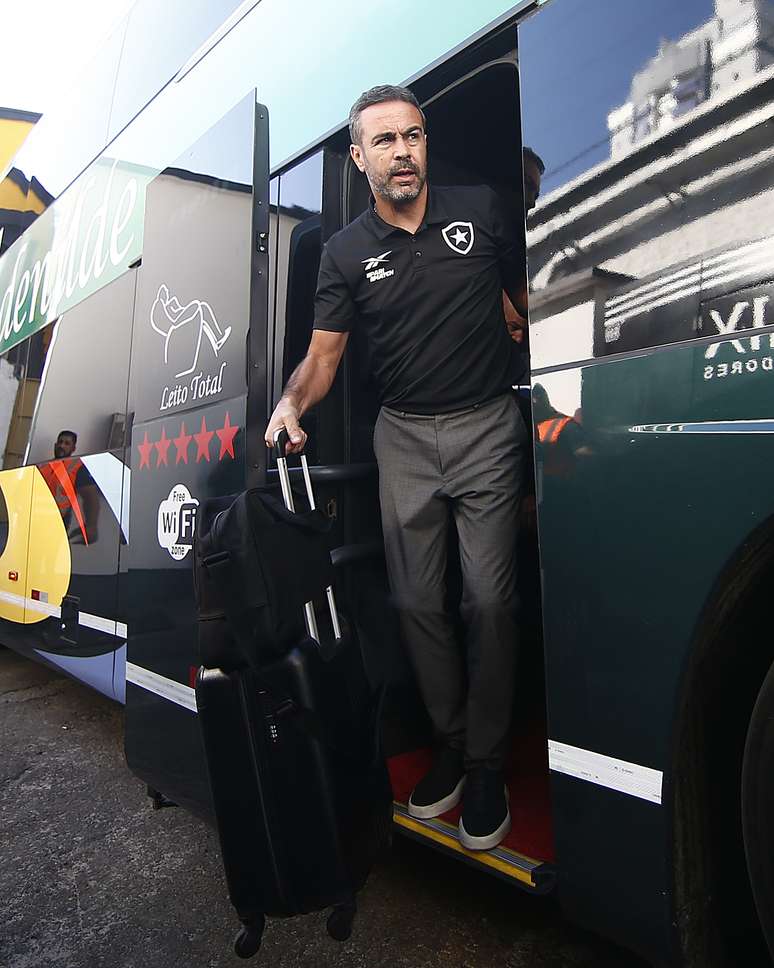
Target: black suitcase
300	789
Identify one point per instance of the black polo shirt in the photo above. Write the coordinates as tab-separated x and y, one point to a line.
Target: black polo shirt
429	304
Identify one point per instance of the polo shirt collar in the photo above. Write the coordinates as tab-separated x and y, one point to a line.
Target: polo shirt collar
433	214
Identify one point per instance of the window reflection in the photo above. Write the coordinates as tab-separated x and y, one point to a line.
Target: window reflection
298	262
17	400
192	305
73	134
659	190
159	40
73	489
78	375
273	347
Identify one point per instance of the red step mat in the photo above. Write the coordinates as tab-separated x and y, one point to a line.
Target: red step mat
528	784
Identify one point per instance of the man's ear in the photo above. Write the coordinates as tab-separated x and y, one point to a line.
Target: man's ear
357	156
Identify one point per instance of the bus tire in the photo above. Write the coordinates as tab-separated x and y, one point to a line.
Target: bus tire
758	805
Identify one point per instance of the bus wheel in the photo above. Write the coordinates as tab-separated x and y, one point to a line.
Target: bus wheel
758	805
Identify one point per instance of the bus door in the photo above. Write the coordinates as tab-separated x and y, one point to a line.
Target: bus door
197	381
341	427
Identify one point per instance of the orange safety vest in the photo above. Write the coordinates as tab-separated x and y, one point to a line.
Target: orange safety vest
549	430
61	476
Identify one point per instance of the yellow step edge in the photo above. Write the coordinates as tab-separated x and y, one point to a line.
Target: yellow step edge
485	858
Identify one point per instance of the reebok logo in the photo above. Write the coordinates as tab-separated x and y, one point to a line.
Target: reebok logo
375	270
376	260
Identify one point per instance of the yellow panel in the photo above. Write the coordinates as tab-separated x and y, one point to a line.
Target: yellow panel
12	134
49	566
12	198
16	486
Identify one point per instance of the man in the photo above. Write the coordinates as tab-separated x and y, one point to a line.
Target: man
534	169
71	483
421	273
560	436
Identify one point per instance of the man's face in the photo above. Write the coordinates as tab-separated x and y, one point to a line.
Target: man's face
64	446
393	151
531	184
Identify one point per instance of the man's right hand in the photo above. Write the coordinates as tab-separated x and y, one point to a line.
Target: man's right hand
308	384
285	417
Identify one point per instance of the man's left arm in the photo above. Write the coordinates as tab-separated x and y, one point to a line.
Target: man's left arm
509	239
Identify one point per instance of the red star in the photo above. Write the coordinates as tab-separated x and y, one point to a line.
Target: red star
162	448
203	439
145	449
226	436
182	443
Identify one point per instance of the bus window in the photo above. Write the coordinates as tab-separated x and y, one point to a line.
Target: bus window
159	39
655	197
190	328
73	136
80	368
17	399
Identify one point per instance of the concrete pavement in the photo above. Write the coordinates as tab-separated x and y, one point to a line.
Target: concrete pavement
92	876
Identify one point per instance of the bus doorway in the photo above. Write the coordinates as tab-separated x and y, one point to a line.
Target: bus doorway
473	138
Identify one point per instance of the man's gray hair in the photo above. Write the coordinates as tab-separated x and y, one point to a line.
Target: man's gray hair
380	94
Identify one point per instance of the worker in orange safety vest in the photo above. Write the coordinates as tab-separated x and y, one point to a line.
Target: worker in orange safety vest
73	488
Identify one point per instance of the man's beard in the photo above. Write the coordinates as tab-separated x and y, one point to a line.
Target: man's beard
382	184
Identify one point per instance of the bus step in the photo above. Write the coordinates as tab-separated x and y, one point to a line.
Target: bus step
536	876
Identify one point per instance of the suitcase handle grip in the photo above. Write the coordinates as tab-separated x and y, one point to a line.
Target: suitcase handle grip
281	440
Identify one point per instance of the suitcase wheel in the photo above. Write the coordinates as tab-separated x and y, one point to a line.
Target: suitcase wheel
248	941
340	921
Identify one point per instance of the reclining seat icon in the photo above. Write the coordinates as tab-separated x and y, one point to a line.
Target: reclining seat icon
182	328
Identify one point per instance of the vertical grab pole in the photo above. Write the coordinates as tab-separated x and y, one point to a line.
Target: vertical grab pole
310	619
329	590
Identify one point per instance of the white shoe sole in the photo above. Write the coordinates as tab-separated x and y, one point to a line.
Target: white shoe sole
488	841
431	810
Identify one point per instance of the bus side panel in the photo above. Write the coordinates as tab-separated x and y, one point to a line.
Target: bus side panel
188	394
63	604
649	245
71	586
163	744
15	506
650	539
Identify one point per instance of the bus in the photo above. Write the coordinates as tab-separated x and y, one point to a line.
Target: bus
162	238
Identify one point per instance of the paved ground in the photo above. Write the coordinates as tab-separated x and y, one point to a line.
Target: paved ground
91	876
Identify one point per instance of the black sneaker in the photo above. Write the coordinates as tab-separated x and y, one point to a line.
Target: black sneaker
485	816
441	788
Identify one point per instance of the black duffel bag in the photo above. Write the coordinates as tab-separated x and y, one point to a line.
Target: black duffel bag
267	562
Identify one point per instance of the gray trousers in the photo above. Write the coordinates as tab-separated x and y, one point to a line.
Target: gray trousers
469	465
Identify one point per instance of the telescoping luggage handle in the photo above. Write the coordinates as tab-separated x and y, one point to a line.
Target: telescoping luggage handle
281	439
